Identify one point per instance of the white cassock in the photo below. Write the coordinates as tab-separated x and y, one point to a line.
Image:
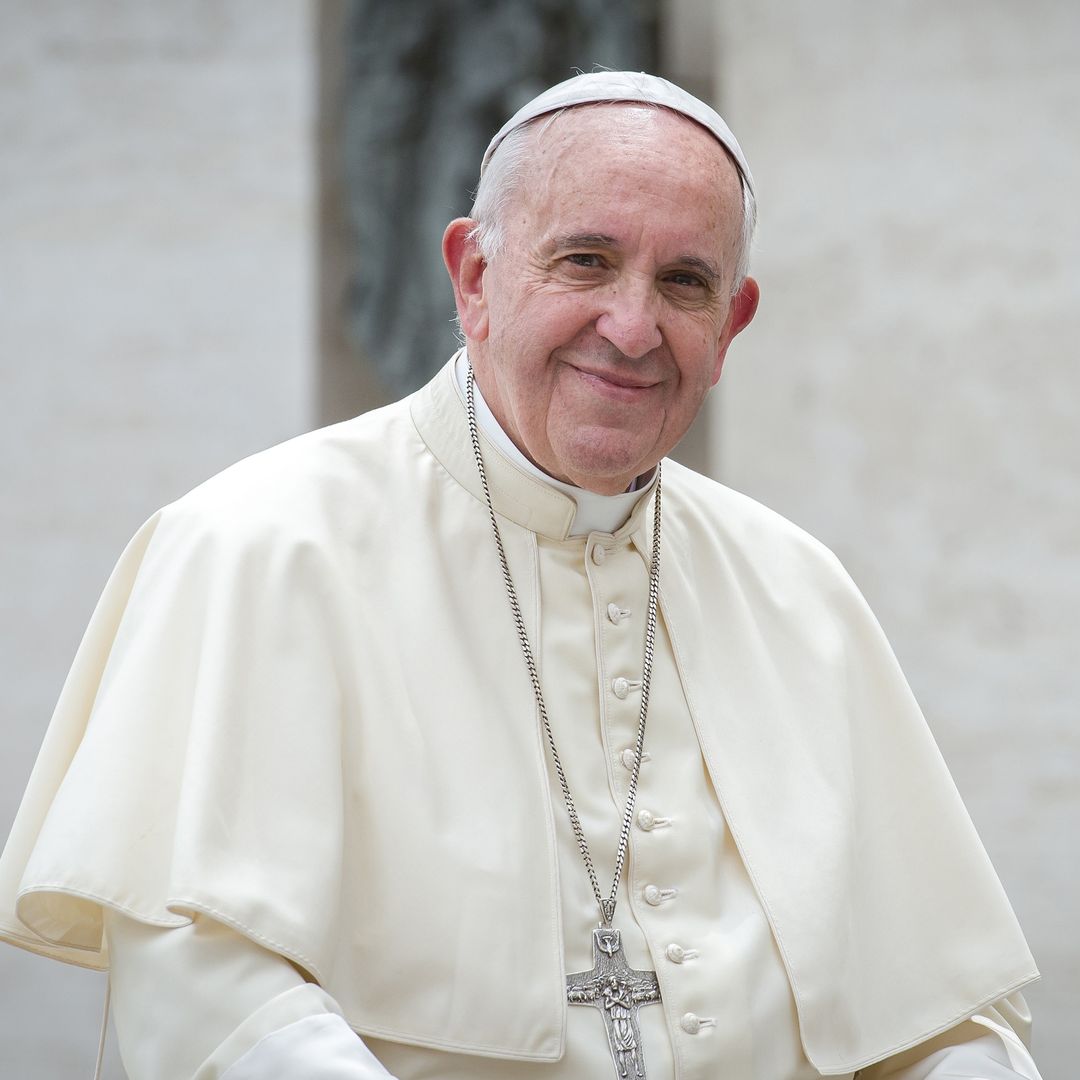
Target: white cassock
298	764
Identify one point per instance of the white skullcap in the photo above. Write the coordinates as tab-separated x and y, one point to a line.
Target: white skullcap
624	86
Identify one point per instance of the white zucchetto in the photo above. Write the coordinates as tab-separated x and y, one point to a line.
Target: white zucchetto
600	86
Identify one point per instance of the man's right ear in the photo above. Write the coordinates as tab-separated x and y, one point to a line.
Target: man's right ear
466	267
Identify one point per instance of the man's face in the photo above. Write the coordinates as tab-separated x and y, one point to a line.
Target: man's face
598	330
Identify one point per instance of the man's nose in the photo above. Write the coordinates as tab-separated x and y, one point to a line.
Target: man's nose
628	320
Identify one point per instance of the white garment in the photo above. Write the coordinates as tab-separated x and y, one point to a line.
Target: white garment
327	620
316	1048
727	957
176	992
202	1002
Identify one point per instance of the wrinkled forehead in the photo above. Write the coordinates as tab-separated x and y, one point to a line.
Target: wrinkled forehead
627	87
615	174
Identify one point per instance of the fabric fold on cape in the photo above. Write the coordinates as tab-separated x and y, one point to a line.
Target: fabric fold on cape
876	888
199	686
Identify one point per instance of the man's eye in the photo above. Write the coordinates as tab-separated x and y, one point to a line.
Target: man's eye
581	258
687	280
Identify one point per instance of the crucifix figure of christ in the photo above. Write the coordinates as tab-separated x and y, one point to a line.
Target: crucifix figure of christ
618	991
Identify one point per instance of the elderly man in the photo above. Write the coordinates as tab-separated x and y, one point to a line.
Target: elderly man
472	739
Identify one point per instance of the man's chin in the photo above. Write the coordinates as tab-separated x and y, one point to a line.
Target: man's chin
605	474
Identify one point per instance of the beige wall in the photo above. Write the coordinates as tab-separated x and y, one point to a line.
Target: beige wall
909	391
156	298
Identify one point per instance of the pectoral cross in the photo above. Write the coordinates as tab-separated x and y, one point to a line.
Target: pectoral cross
618	991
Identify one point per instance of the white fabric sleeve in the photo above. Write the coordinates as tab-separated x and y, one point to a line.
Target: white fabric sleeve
991	1045
322	1047
193	1002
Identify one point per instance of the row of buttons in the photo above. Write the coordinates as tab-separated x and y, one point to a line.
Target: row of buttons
654	895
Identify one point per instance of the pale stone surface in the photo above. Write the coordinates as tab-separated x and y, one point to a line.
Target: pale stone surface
156	297
909	392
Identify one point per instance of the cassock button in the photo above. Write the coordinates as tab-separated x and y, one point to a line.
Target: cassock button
598	554
628	757
648	821
655	896
691	1023
620	687
677	954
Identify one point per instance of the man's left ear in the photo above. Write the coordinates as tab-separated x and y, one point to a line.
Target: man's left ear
743	307
466	267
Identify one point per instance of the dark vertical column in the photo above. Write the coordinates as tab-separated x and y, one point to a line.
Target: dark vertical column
347	383
427	84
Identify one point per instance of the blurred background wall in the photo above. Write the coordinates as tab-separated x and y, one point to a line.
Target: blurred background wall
157	321
909	390
181	280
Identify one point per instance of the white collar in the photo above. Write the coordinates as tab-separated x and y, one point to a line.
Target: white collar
595	513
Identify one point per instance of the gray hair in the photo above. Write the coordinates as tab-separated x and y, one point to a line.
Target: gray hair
503	175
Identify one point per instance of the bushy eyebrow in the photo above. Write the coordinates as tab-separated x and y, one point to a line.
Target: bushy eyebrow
601	240
571	240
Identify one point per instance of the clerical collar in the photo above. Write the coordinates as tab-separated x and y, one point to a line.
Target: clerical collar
595	513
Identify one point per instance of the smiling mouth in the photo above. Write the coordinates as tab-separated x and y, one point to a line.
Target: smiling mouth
616	380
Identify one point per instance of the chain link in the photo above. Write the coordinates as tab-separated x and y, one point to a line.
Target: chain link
607	906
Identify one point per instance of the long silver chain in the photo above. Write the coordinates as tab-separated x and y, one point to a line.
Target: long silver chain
607	906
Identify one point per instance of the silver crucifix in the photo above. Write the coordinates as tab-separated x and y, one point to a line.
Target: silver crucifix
618	991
